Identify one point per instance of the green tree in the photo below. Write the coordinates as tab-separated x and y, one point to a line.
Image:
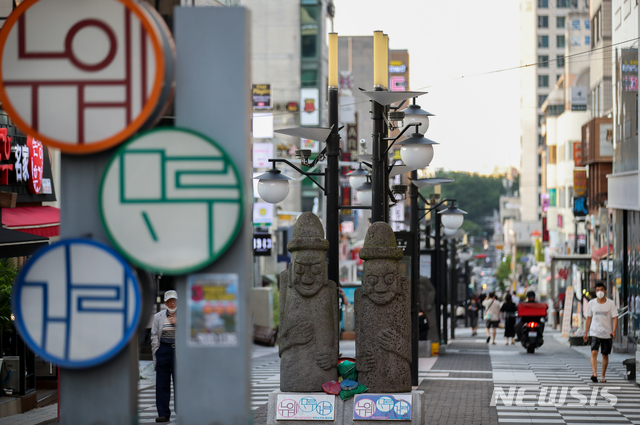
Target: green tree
478	195
8	275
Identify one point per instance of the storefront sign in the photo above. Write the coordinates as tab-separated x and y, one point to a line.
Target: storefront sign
262	214
579	182
212	308
156	180
309	407
397	67
36	162
77	303
578	98
262	244
262	152
382	407
577	154
310	101
261	94
91	80
352	138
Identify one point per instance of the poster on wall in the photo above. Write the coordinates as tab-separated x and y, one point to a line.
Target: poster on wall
261	95
606	139
212	310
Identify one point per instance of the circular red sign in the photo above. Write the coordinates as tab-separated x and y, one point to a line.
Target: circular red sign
35	164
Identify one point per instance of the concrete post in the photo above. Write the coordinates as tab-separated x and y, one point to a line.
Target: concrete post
214	80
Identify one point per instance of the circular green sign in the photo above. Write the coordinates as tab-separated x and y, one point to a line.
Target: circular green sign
171	200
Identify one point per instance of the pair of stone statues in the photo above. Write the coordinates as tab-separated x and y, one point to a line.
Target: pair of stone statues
309	317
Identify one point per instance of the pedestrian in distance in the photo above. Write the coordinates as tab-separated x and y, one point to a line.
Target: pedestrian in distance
601	326
492	315
473	316
163	344
508	311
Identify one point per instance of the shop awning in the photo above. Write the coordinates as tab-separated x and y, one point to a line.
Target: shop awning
600	253
19	244
40	220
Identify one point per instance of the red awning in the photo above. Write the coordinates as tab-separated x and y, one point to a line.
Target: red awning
41	221
600	253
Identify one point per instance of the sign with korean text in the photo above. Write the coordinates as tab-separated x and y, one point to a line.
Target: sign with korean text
171	200
84	76
261	94
310	407
382	407
568	305
213	304
77	303
579	182
577	154
262	152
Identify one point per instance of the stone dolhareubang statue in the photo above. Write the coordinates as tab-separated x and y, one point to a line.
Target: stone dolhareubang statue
428	305
382	309
308	312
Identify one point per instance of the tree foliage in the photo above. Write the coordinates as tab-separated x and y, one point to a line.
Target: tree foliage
478	195
7	276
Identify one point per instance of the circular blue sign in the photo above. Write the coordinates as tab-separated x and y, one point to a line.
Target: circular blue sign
77	303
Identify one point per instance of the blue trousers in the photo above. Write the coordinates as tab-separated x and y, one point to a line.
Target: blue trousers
165	371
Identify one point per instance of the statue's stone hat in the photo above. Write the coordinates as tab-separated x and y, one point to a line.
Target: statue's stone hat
308	234
380	243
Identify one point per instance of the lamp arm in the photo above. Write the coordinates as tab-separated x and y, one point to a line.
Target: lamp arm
319	157
304	173
395	139
428	210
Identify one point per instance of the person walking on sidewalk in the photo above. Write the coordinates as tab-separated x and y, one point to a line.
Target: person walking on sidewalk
601	326
508	311
473	316
163	344
492	315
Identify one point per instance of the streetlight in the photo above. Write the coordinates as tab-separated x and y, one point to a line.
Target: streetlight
273	186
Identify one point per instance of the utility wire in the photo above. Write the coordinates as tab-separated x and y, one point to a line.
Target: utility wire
479	74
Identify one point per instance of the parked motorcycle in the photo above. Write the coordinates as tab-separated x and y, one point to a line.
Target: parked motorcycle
532	320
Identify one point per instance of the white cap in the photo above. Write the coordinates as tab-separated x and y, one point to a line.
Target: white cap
170	294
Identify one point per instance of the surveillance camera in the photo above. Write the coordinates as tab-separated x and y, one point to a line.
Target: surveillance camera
399	188
363	141
303	153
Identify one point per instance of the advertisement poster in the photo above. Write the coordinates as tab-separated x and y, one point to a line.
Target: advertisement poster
309	407
213	305
382	407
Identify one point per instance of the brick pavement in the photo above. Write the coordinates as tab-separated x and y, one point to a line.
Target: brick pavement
462	396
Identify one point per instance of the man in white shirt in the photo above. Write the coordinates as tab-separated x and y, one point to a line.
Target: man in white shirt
602	323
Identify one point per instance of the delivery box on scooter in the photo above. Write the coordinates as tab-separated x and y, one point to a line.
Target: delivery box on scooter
532	309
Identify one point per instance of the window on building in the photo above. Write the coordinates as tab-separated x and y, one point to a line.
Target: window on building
543	61
543	21
552	155
540	140
543	41
560	61
309	78
539	180
543	4
563	3
309	21
540	119
543	81
541	99
558	77
540	162
561	22
574	4
560	43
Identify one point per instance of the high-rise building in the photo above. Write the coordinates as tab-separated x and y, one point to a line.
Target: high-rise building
543	39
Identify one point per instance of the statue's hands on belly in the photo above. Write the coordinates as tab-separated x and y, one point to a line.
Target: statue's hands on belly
300	334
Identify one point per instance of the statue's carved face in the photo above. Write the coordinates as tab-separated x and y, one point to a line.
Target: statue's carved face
309	272
381	282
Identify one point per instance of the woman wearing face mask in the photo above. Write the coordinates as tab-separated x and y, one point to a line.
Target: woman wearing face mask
601	326
163	344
